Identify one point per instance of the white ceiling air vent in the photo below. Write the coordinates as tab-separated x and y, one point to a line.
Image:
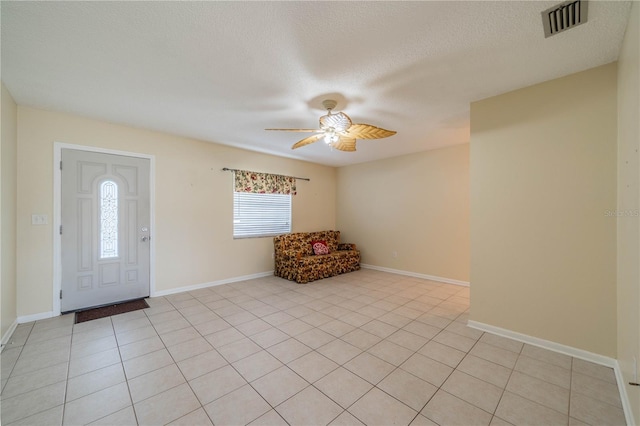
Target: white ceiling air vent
564	16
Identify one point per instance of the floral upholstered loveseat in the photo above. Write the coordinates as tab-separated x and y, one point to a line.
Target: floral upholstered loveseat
295	259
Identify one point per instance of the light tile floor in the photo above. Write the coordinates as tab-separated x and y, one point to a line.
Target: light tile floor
362	348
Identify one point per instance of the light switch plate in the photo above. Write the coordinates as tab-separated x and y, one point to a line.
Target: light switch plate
39	219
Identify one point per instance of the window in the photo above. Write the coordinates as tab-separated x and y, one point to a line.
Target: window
261	204
108	219
261	215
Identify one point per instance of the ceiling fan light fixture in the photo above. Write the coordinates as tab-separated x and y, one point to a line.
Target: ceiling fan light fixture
330	136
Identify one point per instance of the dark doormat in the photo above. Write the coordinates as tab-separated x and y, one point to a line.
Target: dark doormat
107	311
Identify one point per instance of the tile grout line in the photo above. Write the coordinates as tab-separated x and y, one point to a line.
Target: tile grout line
331	299
339	366
249	336
230	364
17	357
570	388
452	371
375	386
178	367
124	373
504	389
16	362
66	385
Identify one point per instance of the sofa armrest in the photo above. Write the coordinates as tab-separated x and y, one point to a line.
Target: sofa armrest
346	246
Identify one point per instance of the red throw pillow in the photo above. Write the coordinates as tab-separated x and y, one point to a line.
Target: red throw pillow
320	247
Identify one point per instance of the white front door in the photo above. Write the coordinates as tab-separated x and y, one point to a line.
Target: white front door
105	229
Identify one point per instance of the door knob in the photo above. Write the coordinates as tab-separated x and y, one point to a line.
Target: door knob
145	239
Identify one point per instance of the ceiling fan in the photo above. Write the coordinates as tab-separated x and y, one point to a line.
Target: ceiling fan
338	131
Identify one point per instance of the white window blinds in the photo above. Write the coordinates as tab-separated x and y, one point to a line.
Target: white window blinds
261	215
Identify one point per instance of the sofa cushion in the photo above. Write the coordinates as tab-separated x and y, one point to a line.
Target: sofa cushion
332	238
320	247
316	260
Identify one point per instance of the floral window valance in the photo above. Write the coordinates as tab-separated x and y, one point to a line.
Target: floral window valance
264	183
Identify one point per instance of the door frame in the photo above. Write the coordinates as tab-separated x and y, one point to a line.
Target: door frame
57	214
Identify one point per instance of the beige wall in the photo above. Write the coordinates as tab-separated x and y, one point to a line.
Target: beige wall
543	173
629	205
416	205
8	211
193	235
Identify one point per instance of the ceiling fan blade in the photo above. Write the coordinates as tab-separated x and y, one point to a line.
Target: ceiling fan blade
367	131
345	144
297	130
307	141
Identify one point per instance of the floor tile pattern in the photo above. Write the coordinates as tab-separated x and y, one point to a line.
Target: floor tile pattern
366	347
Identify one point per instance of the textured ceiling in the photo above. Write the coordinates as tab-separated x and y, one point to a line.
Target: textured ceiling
224	71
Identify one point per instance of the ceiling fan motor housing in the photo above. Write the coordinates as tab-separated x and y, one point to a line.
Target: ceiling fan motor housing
329	104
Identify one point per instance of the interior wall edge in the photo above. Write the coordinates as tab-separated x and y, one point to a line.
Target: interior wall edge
7	335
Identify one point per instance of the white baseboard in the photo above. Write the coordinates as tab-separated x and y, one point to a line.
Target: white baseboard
211	284
416	275
545	344
624	396
44	315
566	350
7	335
35	317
